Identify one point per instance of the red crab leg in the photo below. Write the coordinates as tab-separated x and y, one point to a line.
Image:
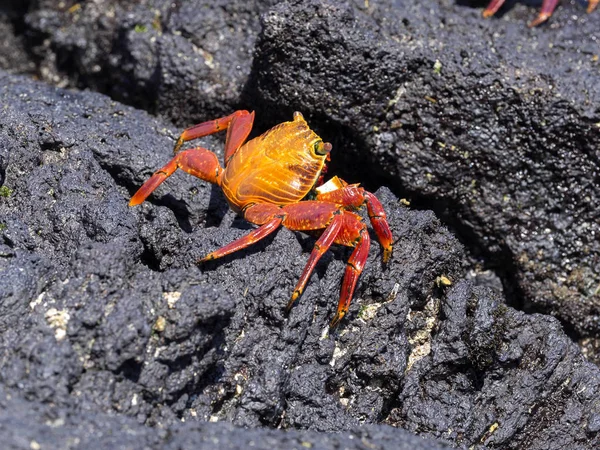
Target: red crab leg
354	268
592	4
270	216
198	161
493	8
548	7
354	196
311	215
254	236
238	127
379	222
267	215
321	246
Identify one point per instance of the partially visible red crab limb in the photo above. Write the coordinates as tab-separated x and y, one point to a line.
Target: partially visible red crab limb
267	215
548	7
197	161
309	215
354	268
246	241
354	196
492	8
321	246
210	127
380	225
592	4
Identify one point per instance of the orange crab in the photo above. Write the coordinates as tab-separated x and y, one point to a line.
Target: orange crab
267	180
548	7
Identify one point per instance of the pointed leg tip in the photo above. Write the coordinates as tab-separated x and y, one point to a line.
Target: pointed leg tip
387	255
487	14
538	20
292	301
178	145
336	321
207	258
135	200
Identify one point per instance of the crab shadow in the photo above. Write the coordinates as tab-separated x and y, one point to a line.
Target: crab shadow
213	214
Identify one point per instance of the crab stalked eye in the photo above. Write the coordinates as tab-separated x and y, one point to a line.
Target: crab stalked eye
322	148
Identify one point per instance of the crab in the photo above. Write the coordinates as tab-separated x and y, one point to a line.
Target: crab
548	7
267	181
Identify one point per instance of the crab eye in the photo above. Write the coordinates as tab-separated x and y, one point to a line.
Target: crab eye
322	148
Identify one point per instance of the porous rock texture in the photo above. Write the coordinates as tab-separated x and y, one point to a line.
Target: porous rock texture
111	335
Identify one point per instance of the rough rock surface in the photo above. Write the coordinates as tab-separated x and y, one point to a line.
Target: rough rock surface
149	53
109	331
501	155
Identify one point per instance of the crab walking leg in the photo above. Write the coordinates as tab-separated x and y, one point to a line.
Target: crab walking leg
354	196
267	215
380	225
243	242
321	246
548	7
592	4
340	227
354	268
197	161
492	8
237	133
310	215
238	126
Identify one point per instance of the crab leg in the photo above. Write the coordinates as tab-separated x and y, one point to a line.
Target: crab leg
592	4
492	8
321	246
238	126
270	217
379	222
254	236
354	268
548	7
197	161
353	196
352	232
267	215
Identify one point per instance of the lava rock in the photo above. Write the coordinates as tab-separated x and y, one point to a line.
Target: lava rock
508	162
185	60
495	133
25	424
108	312
111	333
105	310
